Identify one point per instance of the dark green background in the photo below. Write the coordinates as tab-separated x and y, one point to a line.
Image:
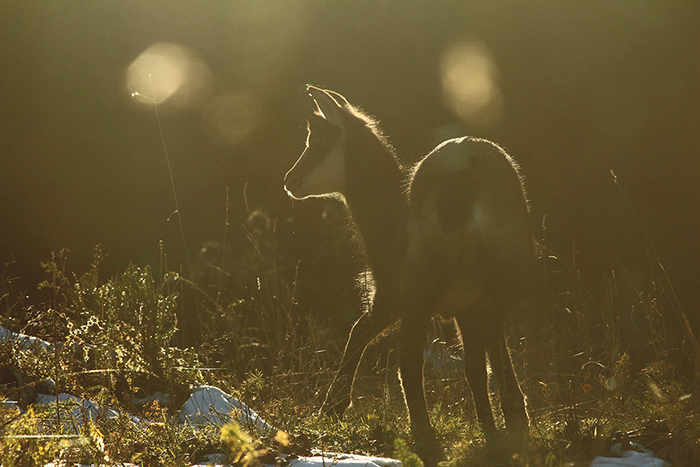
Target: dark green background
587	86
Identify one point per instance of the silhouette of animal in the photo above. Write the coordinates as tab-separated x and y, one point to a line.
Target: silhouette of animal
456	242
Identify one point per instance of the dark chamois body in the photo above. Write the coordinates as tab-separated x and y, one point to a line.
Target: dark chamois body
457	243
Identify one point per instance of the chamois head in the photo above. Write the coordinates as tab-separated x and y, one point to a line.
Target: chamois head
320	171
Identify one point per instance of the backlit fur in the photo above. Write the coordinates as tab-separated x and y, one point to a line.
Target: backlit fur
456	243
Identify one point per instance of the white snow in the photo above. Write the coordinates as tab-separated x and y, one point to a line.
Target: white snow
82	410
346	460
321	460
635	457
24	341
211	405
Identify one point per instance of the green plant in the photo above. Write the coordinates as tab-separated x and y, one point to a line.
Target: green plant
242	448
407	458
21	442
120	327
111	337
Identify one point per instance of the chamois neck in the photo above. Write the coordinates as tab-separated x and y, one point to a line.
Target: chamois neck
377	202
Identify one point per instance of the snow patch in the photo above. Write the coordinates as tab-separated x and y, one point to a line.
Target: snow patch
211	405
636	457
24	341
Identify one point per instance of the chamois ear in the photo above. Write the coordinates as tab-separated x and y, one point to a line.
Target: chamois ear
340	100
329	103
307	104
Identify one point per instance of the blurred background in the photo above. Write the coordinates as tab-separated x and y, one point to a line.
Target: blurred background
572	90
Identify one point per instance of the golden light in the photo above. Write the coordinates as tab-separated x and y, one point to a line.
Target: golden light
469	84
232	117
167	71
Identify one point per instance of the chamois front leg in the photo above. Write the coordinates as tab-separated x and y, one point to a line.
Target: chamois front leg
339	395
366	328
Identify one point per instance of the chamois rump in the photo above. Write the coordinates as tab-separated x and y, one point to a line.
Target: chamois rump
456	243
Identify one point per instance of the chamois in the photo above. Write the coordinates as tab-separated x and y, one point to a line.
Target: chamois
457	243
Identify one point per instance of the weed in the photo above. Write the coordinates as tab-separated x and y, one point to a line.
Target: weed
403	453
587	383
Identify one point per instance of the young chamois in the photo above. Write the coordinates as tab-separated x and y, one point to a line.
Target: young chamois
457	244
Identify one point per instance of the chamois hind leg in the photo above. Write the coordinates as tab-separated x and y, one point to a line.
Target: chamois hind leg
412	343
475	370
418	294
512	399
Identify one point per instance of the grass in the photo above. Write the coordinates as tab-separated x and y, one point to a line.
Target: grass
114	338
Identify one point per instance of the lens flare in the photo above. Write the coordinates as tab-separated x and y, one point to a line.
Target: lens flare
168	72
469	84
232	117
